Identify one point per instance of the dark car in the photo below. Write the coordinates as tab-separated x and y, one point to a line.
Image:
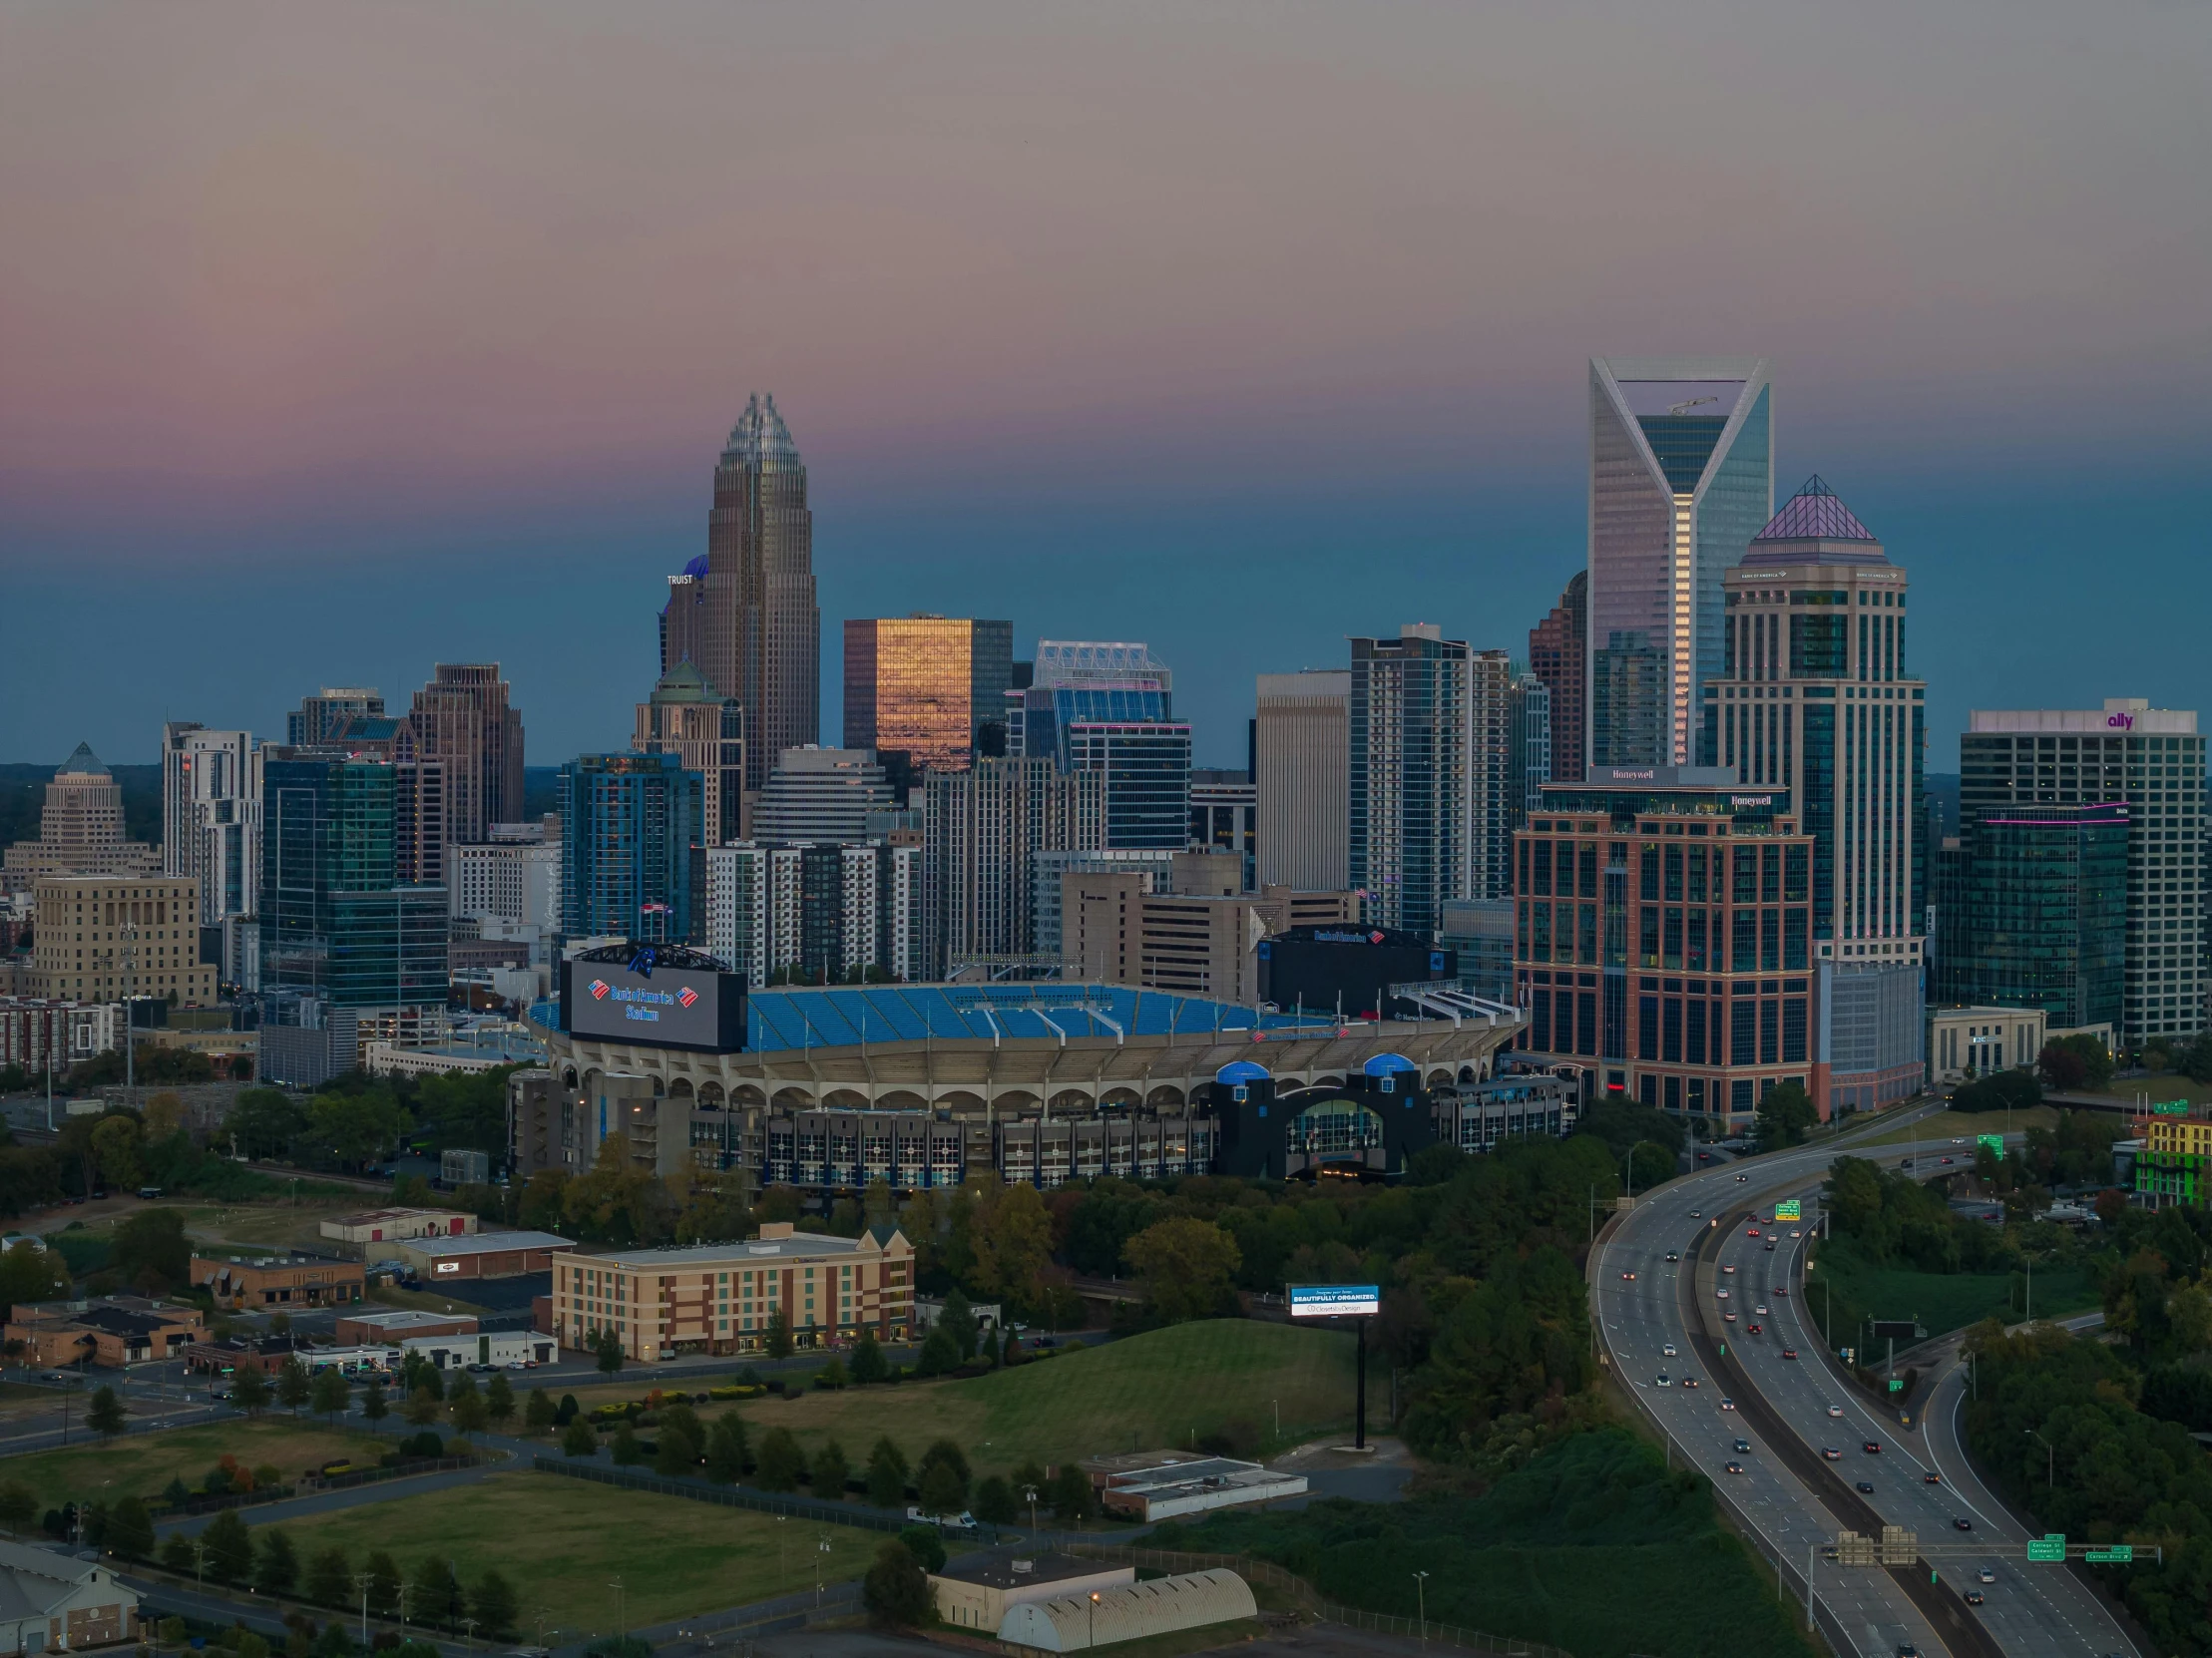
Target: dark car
1673	1255
1867	1486
1973	1598
1789	1353
1743	1444
1873	1448
1756	1329
1962	1523
1933	1477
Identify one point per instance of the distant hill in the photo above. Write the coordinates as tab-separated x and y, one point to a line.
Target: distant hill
23	792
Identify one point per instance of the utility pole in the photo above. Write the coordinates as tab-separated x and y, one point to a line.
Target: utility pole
361	1582
1421	1599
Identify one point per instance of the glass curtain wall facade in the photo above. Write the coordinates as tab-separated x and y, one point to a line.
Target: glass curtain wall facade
926	687
1558	655
2151	760
1412	792
628	826
2044	915
1662	933
1681	479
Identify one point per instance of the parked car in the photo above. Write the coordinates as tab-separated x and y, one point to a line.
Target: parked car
962	1521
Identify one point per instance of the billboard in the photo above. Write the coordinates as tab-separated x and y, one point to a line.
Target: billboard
672	1007
1335	1301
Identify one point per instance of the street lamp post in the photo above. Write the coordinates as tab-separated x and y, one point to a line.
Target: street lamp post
1094	1617
1421	1600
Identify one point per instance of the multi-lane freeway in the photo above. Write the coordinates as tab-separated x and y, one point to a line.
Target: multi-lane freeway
1762	1424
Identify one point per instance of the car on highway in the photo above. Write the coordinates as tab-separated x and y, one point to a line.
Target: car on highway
1761	1311
1742	1179
1906	1649
1982	1574
1736	1468
1727	1405
1720	1294
1697	1214
1690	1381
1728	1269
1663	1382
1673	1255
1789	1353
1756	1329
1835	1409
1728	1318
1796	1233
1867	1486
1667	1351
1873	1448
1770	1246
1751	1232
1962	1523
1933	1477
1975	1597
1781	1289
1947	1162
1831	1453
1629	1276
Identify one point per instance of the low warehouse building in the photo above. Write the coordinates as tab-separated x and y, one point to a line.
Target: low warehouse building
384	1226
1160	1484
504	1347
1101	1617
295	1280
54	1602
487	1255
389	1326
977	1597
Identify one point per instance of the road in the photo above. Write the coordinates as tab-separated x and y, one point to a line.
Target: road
1794	1410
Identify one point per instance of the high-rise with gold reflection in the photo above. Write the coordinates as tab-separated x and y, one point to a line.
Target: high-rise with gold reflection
927	687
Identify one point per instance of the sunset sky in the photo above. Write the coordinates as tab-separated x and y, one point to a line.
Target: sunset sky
339	339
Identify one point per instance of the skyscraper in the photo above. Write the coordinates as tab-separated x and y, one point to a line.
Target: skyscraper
2037	916
211	815
2150	759
1301	772
80	827
1107	707
1530	731
628	826
757	632
1558	655
982	829
926	687
821	913
1814	698
821	794
463	717
318	715
1681	479
1498	792
683	716
1412	800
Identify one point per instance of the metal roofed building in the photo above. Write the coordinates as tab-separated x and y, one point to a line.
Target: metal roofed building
978	1596
484	1255
55	1601
1150	1485
1101	1617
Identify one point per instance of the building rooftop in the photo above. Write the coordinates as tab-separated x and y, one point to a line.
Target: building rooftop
83	762
1815	513
486	1243
1002	1572
392	1320
794	1244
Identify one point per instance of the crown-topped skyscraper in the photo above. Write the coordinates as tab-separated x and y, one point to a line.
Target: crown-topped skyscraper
749	621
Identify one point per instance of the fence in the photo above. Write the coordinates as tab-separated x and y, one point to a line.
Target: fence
1308	1597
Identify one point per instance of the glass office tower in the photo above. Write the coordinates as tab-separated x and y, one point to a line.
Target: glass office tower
628	826
1412	799
2042	914
1681	479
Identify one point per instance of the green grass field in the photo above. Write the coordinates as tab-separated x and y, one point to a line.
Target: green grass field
1844	1288
563	1542
1157	1389
143	1465
1952	1125
2165	1086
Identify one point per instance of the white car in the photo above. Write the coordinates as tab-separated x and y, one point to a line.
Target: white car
1664	1381
1667	1351
1985	1575
1721	1294
1835	1409
1728	1269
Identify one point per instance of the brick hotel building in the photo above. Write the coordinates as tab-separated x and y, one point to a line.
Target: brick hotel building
1664	938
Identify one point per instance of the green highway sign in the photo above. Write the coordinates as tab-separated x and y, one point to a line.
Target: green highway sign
1897	1384
2119	1554
2051	1547
1789	1208
1995	1143
2172	1108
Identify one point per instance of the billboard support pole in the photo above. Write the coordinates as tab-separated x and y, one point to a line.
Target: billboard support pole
1359	1412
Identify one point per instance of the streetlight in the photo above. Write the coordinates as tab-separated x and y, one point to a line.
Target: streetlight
1421	1599
1094	1617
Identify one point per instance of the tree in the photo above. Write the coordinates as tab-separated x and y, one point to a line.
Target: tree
994	1502
277	1568
433	1592
264	1122
1784	1115
333	1393
423	1405
151	1252
830	1472
926	1545
958	1320
18	1508
578	1440
384	1584
1013	1243
491	1604
178	1553
104	1413
626	1450
466	1405
250	1389
779	1333
683	1441
130	1528
896	1589
538	1412
782	1463
293	1388
1073	1497
1188	1267
373	1407
728	1454
228	1547
607	1343
868	1362
940	1352
886	1475
499	1400
941	1478
116	1144
30	1272
331	1578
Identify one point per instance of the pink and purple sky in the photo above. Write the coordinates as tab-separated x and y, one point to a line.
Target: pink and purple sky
335	340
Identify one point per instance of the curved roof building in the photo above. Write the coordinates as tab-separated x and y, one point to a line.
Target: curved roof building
1158	1607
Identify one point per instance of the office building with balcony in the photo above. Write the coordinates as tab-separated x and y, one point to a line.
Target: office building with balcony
628	823
813	913
1412	796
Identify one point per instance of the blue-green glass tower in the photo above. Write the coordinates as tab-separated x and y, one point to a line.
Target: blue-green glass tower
628	823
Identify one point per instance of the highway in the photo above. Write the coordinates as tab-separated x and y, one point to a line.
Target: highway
1788	1491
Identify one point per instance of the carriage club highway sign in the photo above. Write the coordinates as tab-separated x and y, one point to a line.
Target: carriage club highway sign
1335	1301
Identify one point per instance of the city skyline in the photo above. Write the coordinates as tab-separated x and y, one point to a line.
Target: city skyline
275	368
